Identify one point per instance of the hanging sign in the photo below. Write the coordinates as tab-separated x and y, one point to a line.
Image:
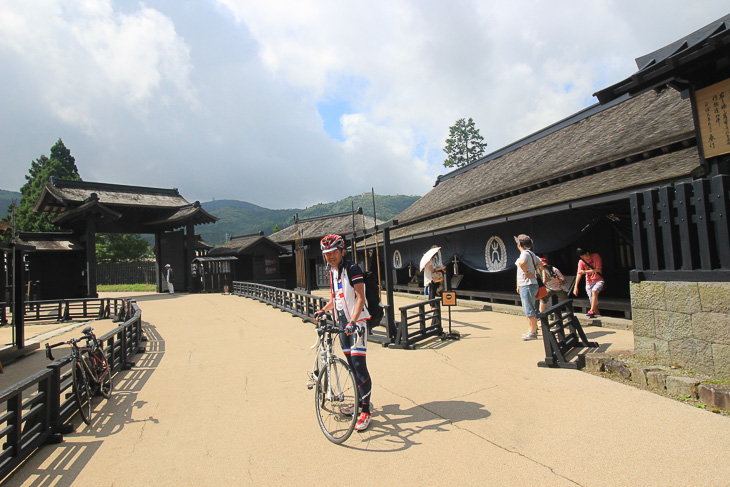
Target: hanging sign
712	118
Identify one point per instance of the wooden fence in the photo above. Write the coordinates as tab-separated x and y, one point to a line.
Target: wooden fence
37	410
681	231
127	273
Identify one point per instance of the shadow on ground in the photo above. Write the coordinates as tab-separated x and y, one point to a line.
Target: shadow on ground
59	465
395	429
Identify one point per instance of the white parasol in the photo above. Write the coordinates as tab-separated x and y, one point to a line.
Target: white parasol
428	256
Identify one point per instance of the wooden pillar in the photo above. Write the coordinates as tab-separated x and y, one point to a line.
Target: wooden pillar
18	297
189	256
91	257
158	259
388	260
13	255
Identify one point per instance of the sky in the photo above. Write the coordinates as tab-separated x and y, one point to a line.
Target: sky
286	104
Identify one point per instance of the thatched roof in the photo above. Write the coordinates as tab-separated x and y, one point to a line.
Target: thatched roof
60	194
320	227
238	245
119	208
50	241
194	214
631	144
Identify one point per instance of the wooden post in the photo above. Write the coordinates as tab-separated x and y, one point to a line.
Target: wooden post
699	199
720	219
91	256
18	298
158	259
390	310
189	256
686	238
666	223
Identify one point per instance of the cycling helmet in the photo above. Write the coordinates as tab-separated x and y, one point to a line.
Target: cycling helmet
331	242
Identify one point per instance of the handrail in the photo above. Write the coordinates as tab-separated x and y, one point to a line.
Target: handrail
58	310
36	409
305	305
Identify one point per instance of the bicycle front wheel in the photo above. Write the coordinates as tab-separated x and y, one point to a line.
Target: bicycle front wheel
336	401
103	373
82	391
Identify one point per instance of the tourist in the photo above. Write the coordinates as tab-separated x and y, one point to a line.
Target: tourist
591	266
554	281
169	278
347	289
528	266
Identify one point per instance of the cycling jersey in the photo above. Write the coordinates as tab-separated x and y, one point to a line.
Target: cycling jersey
342	288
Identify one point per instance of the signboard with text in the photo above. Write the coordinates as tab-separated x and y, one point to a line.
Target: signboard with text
712	117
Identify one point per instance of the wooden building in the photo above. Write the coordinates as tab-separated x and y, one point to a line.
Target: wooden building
565	186
303	239
87	208
213	274
256	259
56	268
625	178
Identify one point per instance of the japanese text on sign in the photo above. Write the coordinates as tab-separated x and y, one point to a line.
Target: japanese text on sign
712	116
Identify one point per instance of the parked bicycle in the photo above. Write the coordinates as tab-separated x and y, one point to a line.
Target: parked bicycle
336	397
90	370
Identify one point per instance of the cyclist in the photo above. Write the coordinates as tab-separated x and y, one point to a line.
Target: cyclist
347	288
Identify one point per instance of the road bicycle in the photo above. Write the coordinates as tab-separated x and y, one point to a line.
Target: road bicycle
90	370
336	398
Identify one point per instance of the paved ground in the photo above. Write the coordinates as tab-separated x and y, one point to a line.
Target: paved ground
219	398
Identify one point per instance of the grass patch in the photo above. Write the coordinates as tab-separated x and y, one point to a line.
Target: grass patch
126	288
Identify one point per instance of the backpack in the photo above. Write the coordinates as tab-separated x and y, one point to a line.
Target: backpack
372	300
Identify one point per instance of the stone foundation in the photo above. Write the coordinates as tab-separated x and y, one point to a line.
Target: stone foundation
683	323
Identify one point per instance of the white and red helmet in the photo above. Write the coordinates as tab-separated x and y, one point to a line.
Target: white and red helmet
331	242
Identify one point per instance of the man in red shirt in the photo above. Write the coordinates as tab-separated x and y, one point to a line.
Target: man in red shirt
591	266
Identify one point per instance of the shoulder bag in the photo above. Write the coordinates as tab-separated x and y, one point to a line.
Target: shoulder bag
541	289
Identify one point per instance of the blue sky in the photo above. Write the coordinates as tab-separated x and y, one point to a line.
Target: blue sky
268	101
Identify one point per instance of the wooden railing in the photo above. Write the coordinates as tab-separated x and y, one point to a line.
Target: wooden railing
427	322
59	310
37	410
418	326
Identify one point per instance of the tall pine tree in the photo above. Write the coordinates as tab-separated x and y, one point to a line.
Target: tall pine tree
464	145
62	165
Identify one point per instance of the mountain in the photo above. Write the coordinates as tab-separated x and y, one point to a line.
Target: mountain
243	218
7	197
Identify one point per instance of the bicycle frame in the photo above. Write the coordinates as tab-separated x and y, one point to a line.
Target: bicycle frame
325	353
83	354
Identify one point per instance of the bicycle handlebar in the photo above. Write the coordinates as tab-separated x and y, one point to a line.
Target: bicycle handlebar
88	336
325	325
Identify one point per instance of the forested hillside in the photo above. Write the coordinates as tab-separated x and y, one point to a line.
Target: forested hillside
7	197
242	218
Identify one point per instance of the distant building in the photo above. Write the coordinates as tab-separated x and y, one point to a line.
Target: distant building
303	238
256	259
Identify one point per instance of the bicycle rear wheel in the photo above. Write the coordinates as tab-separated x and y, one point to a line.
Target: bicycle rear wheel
336	391
82	391
104	373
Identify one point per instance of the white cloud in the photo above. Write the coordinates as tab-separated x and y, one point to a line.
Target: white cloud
85	59
220	98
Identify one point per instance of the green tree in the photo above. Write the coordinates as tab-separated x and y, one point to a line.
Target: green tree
61	165
464	145
115	247
276	228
